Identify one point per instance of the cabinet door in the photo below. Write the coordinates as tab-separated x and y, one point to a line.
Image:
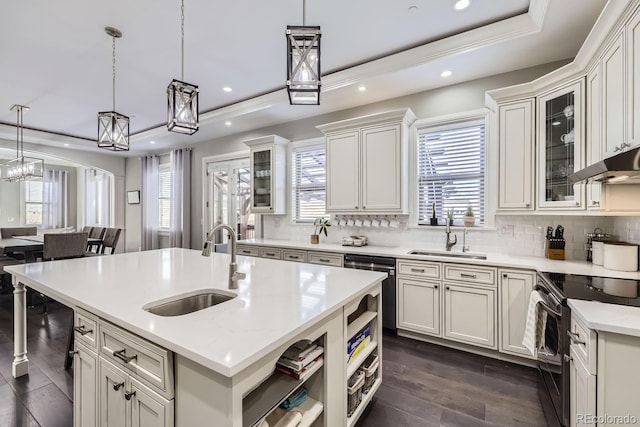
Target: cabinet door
112	404
633	80
613	98
515	290
560	148
149	409
582	392
262	180
381	164
470	315
85	388
419	306
516	156
593	123
343	172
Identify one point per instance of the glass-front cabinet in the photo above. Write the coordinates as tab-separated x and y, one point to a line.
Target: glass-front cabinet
560	148
268	174
261	162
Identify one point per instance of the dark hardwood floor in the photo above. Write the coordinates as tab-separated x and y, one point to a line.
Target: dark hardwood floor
423	384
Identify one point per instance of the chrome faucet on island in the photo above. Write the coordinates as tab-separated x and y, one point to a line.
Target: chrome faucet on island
449	242
234	274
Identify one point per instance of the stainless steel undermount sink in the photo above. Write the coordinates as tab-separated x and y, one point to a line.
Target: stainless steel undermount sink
188	304
447	254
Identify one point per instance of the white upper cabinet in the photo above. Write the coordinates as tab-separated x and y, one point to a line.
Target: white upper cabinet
632	41
593	122
613	98
516	142
268	174
367	163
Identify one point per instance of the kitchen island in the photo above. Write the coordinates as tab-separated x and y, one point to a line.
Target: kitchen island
214	366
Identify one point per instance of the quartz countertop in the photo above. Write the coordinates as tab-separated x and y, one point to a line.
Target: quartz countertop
493	259
605	317
277	300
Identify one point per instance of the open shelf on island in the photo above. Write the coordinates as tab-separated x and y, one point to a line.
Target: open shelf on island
362	320
355	363
366	398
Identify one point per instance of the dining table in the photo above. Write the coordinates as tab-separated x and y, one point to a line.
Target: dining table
29	246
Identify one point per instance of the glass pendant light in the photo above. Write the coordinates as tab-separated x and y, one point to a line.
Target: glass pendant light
113	127
21	168
182	98
303	63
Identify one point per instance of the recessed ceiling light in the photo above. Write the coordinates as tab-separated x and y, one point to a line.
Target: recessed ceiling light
227	123
227	89
445	73
66	145
462	4
152	142
362	88
556	123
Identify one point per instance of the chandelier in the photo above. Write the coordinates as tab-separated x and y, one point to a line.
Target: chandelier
21	168
113	127
182	98
303	63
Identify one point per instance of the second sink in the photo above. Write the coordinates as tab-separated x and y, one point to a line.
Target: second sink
447	254
188	304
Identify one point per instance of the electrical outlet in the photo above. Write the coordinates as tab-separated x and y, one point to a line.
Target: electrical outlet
506	230
11	219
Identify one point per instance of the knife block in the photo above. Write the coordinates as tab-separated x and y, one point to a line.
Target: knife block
554	253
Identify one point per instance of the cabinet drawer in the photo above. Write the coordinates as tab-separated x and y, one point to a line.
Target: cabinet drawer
471	274
583	341
248	250
86	328
295	256
324	258
153	365
270	253
419	269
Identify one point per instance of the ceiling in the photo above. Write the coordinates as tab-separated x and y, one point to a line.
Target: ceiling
56	58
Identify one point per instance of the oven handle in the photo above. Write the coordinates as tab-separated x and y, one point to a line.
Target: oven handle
547	292
550	310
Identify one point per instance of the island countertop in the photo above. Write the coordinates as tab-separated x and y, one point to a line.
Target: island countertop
276	301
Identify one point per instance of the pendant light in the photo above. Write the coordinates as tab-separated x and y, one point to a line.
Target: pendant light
182	98
113	127
21	168
303	63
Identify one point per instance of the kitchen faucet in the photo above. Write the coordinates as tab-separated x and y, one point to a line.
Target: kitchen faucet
450	243
234	274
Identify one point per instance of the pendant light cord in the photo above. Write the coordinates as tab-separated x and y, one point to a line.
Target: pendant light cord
19	122
114	73
304	13
182	35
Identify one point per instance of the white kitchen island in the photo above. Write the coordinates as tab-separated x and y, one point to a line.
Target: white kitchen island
214	366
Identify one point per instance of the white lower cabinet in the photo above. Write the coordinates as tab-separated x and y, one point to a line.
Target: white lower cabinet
470	314
419	306
515	290
85	385
582	391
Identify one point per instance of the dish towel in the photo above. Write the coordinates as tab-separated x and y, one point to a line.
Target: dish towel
295	399
536	323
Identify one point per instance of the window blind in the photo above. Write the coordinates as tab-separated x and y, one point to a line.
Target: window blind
309	183
164	197
33	202
451	171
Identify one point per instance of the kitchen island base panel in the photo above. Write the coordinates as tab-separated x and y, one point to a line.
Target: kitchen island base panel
20	365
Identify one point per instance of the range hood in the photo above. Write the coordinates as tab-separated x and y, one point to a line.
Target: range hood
623	168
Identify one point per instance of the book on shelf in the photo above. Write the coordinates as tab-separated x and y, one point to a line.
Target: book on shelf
301	362
302	373
299	350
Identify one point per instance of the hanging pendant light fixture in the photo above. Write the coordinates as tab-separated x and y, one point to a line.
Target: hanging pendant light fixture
113	127
303	63
182	98
21	168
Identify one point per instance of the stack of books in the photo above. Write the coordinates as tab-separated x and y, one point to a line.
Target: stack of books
299	359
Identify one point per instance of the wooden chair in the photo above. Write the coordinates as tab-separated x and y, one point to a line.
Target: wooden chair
96	233
111	239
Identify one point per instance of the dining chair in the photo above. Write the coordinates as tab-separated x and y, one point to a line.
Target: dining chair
111	239
96	233
64	245
8	232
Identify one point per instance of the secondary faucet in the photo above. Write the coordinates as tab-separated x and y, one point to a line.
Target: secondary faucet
449	242
465	248
234	274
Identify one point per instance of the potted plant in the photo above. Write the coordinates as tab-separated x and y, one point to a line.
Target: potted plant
434	218
450	216
321	226
469	218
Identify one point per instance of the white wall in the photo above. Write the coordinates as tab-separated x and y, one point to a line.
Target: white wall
133	213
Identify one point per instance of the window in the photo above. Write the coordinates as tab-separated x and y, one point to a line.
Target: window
308	174
97	198
33	202
451	171
164	193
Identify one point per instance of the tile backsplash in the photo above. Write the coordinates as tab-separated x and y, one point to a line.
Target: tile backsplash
513	235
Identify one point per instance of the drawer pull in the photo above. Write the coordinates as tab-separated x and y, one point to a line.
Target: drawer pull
81	330
447	288
294	256
72	353
324	260
575	338
505	275
244	251
128	395
269	254
417	270
116	387
120	354
435	286
470	276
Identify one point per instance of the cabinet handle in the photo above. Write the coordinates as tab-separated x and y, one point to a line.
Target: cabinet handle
470	276
355	207
324	260
128	395
294	256
447	288
270	208
435	286
73	353
81	330
364	207
417	270
625	145
577	203
120	354
594	203
269	254
116	387
575	338
246	252
504	275
617	149
526	205
568	358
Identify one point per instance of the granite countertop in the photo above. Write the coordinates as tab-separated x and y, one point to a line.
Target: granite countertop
493	259
277	300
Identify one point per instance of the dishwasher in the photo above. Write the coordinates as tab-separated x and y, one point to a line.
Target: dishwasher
385	265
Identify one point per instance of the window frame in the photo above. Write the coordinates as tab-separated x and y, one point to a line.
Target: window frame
295	147
24	202
164	168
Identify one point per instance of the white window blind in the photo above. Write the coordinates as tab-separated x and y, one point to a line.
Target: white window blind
309	183
451	171
33	202
164	197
